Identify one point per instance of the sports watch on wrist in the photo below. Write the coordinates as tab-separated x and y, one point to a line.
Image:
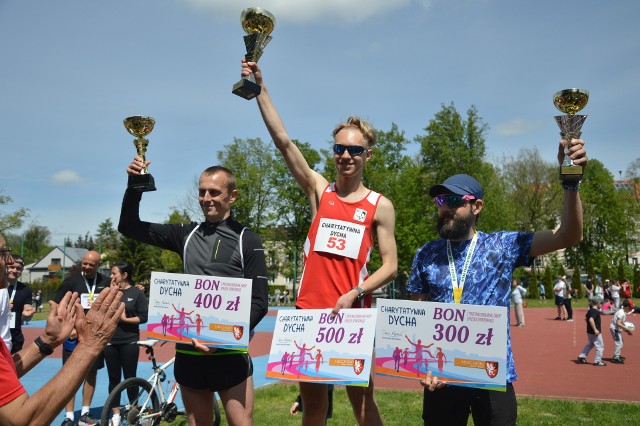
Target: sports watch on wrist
45	349
360	291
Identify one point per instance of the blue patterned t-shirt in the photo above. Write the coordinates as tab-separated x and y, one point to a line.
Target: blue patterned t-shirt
488	281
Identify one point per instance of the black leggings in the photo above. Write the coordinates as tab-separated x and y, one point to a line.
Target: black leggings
121	358
569	308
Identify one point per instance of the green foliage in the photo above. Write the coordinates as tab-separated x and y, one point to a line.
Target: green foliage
13	220
144	258
548	282
251	161
37	242
636	281
575	280
606	272
533	291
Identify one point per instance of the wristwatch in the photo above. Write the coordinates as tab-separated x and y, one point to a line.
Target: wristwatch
45	349
360	291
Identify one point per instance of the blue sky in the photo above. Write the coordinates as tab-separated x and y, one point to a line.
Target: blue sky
72	70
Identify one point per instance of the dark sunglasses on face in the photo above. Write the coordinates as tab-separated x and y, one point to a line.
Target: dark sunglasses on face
452	200
354	150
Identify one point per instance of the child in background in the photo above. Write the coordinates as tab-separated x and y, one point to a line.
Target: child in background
594	333
617	326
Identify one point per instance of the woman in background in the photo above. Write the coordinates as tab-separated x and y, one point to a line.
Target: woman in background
121	354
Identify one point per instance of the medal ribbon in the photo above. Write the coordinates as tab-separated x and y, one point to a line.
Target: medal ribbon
92	289
456	286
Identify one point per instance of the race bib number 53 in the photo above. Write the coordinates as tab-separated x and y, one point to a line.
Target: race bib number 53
339	237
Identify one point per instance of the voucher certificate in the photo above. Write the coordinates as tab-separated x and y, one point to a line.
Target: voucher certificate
311	345
214	310
465	345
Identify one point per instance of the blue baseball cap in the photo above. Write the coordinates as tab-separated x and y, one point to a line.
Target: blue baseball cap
458	184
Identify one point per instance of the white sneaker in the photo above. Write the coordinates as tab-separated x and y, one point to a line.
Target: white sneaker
115	421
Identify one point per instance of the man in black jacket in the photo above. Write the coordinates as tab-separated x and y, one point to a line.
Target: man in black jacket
219	246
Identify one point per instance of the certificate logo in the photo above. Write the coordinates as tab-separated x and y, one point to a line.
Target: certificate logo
238	331
491	367
358	366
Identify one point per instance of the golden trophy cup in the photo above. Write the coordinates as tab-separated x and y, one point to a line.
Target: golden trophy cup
258	24
570	101
140	127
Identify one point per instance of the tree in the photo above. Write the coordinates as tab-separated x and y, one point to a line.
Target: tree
534	292
170	260
531	188
452	143
606	272
575	280
106	236
252	162
397	176
604	230
143	258
13	220
37	242
548	282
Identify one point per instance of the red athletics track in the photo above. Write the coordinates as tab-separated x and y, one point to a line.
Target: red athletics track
545	353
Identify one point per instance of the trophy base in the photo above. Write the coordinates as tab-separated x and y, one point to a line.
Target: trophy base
141	183
570	173
246	89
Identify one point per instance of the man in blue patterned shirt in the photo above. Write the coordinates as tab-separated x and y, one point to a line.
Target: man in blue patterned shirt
471	267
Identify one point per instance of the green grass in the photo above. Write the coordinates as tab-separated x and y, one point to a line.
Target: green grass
403	408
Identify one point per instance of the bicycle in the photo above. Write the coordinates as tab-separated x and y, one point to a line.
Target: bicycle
144	401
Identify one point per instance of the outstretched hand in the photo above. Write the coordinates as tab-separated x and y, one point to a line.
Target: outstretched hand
95	330
61	319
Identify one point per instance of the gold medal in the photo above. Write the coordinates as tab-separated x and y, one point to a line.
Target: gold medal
457	294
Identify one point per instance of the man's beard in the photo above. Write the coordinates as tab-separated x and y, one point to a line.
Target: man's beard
455	228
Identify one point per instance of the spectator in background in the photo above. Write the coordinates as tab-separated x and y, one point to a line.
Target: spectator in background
517	294
588	289
121	354
567	301
542	291
615	294
558	290
20	303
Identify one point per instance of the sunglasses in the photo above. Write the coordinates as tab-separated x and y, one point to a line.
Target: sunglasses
354	150
452	200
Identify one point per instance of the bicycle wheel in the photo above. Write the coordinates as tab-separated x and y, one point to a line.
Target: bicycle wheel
138	404
216	411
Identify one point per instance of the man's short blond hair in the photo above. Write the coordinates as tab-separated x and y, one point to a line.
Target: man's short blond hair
363	126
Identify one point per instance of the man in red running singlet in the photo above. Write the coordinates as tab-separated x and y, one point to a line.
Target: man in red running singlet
347	218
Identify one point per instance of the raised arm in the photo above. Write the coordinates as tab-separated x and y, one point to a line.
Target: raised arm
312	183
570	231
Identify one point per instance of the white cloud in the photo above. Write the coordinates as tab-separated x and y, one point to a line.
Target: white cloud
517	126
313	10
65	177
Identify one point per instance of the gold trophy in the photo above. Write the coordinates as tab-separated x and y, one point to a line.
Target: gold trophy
570	101
258	24
140	127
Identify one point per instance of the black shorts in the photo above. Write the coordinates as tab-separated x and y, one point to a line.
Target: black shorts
212	372
451	405
559	300
99	364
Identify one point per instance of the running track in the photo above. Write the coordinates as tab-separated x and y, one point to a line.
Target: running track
545	353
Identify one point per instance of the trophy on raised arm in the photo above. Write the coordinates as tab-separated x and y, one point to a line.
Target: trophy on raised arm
140	127
258	24
570	101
